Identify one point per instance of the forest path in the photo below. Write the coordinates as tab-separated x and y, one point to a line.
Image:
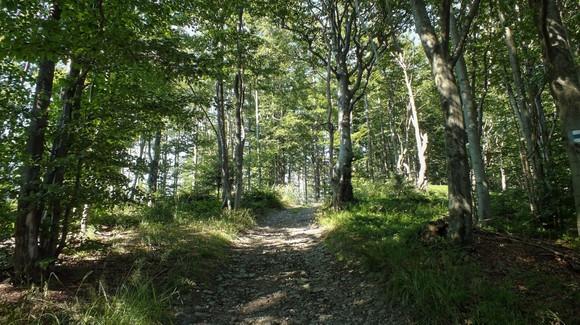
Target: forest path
281	273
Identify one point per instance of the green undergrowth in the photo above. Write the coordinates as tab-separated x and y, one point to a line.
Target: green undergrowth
438	282
511	212
156	257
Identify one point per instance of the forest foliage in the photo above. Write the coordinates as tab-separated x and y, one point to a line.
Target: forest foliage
196	115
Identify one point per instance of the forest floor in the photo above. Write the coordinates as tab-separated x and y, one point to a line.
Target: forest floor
281	273
301	265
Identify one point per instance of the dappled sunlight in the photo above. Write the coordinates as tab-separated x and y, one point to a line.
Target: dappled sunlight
280	272
263	302
557	34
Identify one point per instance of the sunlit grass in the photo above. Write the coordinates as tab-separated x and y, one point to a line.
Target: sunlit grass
170	248
439	282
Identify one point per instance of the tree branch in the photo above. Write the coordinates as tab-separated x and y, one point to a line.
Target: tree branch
465	31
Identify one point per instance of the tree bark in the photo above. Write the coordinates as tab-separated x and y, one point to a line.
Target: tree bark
259	163
139	163
240	136
370	149
329	118
481	184
523	114
564	84
153	179
26	250
223	146
459	193
343	192
54	179
316	158
421	140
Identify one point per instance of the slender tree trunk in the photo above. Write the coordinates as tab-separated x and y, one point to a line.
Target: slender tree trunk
176	167
240	136
526	168
459	193
421	139
370	153
259	163
503	177
223	146
317	162
138	174
305	178
85	220
523	115
164	167
329	119
54	179
26	251
564	84
481	185
386	150
70	208
153	179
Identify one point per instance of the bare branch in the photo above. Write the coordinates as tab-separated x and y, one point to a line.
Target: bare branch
465	31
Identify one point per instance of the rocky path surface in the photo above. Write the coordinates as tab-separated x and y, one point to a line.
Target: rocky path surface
281	273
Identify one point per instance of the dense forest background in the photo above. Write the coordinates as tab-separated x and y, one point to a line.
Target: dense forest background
118	112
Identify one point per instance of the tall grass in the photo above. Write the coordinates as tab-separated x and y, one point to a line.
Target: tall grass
438	283
168	249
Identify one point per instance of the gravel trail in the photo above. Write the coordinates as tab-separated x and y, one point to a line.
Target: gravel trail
281	273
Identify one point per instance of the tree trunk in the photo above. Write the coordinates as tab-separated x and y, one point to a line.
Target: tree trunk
26	250
84	220
481	185
70	208
523	115
564	84
223	146
240	136
153	179
305	178
259	163
329	119
459	193
138	174
317	162
421	140
164	167
176	166
343	193
54	179
370	151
